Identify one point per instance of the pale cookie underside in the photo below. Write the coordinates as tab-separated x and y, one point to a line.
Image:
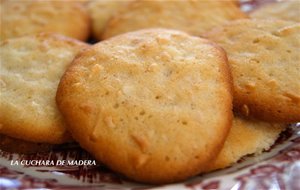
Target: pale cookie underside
246	137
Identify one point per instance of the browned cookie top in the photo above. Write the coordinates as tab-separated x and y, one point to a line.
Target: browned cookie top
154	105
285	10
31	68
194	17
265	61
30	17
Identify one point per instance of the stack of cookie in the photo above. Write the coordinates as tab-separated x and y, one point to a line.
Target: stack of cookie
154	101
34	55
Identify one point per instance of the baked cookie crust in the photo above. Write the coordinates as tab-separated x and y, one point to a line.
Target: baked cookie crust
154	105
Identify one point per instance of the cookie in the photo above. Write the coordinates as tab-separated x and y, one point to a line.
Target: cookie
194	17
100	12
246	137
153	105
31	17
285	10
265	62
31	68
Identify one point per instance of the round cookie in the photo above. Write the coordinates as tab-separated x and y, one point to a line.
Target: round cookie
246	137
31	17
285	10
265	61
154	105
31	68
194	17
100	12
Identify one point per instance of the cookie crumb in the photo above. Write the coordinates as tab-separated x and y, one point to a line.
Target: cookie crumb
140	141
245	110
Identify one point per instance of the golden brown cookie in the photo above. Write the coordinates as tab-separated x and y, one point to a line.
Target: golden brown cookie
194	17
265	61
100	12
31	17
285	10
31	68
154	105
246	137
